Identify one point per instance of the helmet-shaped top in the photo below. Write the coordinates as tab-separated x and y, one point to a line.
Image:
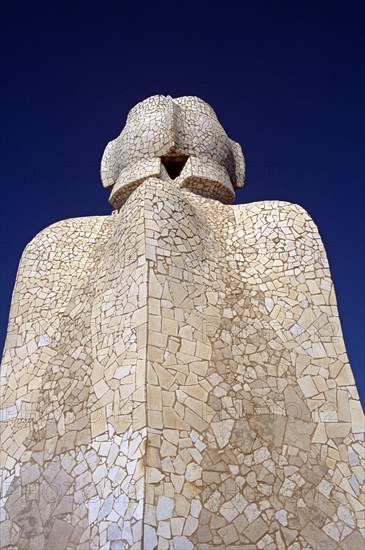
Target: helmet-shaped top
180	140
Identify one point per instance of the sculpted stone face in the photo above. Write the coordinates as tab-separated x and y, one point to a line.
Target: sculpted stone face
177	140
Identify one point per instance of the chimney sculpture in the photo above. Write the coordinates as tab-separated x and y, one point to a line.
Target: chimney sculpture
175	375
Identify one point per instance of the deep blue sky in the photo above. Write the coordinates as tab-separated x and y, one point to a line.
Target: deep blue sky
286	78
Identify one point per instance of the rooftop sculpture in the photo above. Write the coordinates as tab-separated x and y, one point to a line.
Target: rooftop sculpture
177	140
174	374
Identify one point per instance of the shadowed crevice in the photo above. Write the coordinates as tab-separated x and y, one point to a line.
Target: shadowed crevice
174	164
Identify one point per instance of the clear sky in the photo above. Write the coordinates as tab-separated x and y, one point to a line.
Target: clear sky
286	79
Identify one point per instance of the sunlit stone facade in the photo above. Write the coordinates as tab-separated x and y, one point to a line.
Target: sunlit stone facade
174	374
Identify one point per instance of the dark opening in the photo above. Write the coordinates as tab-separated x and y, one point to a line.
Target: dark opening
174	164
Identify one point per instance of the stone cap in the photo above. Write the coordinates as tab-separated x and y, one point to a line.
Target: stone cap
178	140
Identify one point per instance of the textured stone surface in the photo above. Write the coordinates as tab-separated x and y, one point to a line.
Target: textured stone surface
175	375
177	140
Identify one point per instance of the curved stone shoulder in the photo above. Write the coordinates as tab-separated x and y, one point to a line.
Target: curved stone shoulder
60	250
51	266
283	208
63	244
81	228
282	240
280	223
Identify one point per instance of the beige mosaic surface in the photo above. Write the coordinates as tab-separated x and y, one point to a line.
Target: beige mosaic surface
175	375
181	137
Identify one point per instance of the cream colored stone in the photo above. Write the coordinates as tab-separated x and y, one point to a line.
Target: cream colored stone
174	374
357	416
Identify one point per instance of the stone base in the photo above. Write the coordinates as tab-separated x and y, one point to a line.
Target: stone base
175	376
